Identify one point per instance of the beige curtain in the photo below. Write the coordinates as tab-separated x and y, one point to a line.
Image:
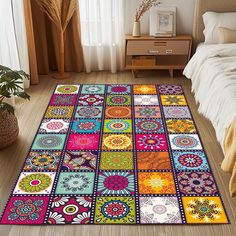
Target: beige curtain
43	34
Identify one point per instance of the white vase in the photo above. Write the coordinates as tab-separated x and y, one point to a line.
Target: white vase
136	29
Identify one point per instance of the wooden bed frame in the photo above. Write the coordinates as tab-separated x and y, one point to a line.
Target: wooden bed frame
208	5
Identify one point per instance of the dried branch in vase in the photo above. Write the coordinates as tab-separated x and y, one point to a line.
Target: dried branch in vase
144	7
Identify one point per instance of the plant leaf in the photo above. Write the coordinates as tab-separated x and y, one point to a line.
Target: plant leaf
22	95
7	107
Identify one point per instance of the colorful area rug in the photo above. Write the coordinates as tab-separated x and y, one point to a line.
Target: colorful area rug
116	154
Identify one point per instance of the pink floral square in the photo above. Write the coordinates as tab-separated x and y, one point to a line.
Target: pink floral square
83	142
25	210
151	142
63	100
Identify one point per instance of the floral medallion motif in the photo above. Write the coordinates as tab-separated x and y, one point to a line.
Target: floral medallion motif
86	126
115	210
170	89
147	112
78	160
118	126
42	160
63	100
91	100
75	183
118	112
151	142
173	100
118	100
67	89
160	210
35	183
88	112
63	112
25	210
145	89
93	89
54	126
70	210
116	183
180	126
196	183
176	112
204	210
156	183
149	126
116	161
117	142
118	89
146	100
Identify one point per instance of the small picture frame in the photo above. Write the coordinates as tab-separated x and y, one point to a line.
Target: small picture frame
163	22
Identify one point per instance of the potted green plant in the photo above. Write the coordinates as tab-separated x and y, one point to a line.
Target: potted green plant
10	86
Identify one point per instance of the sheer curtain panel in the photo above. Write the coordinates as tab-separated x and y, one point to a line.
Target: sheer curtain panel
102	34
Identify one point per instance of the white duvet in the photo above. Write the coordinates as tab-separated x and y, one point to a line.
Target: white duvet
213	73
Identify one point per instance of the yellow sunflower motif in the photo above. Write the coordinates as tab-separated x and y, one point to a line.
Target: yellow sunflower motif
173	100
144	89
117	141
180	126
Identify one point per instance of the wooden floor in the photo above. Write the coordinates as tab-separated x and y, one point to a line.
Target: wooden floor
29	116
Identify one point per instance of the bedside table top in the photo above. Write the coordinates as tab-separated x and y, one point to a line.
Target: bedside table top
147	37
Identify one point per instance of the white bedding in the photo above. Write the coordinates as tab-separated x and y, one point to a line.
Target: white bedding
213	73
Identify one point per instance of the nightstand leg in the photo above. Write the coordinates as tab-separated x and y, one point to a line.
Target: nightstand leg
134	73
171	71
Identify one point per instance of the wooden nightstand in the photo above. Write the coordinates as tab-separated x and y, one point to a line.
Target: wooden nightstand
149	53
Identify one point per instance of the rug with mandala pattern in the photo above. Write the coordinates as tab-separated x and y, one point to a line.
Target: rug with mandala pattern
116	154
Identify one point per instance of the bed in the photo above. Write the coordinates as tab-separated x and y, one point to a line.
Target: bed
212	71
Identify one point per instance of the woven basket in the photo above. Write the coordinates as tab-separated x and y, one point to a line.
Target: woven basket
9	129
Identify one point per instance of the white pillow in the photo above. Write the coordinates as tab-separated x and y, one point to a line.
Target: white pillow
213	20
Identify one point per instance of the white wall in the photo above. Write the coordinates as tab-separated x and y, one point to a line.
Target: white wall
185	13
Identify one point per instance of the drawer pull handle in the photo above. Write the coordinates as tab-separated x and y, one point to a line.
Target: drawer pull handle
169	51
153	51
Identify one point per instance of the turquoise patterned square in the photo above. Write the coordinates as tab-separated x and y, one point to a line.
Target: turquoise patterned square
93	89
75	183
86	126
88	112
49	142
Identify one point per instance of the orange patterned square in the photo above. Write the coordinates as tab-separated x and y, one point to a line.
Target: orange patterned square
156	183
153	161
145	89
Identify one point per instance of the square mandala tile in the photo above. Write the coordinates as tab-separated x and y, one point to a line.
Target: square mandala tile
91	100
147	112
185	142
117	142
83	142
153	161
86	126
162	210
118	100
204	210
151	142
145	100
42	161
25	210
63	112
118	112
88	112
118	89
176	112
156	183
118	126
67	89
173	100
170	89
199	183
149	126
116	161
93	89
49	142
145	89
63	100
35	183
180	126
75	183
190	160
79	160
70	210
54	126
115	183
106	210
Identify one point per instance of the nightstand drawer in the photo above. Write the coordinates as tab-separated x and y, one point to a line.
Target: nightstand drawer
175	47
